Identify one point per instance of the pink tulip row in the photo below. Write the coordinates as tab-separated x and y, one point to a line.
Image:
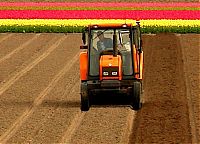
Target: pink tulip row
111	4
99	14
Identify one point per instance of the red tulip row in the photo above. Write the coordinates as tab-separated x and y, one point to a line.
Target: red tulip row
99	14
110	4
42	10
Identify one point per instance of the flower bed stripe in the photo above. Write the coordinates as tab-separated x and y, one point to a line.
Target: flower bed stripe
72	17
100	14
109	4
97	8
85	22
76	25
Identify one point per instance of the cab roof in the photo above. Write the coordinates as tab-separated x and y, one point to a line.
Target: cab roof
110	25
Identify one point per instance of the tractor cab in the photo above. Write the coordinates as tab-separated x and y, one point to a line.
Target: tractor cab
113	61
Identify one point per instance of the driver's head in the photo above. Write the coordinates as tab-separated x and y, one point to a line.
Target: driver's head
100	35
125	38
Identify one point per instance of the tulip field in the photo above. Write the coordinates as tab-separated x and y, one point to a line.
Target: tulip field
40	81
72	17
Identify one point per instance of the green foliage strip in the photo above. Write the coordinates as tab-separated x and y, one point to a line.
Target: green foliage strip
79	29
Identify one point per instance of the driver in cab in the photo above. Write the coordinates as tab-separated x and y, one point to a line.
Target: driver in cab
103	42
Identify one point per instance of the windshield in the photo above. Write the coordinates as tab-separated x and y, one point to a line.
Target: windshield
102	40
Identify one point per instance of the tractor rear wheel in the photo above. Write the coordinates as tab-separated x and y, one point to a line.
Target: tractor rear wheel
85	104
136	96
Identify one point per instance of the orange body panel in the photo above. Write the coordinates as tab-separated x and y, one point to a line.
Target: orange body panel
138	63
83	65
135	59
111	61
141	66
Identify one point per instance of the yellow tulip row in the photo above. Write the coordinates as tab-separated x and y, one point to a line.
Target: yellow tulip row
85	22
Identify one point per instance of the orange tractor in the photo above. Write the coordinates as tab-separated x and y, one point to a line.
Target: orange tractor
111	62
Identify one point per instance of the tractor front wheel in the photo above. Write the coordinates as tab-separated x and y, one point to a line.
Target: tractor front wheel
136	96
85	105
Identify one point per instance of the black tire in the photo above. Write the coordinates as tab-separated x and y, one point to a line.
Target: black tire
85	104
136	96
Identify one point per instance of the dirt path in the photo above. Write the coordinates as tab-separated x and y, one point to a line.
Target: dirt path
164	117
191	54
43	104
100	1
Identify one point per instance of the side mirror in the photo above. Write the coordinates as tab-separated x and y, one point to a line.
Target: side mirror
83	47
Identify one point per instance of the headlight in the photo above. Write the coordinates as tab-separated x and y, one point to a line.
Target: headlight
105	73
114	73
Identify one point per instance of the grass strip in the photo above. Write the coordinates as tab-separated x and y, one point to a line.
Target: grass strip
79	29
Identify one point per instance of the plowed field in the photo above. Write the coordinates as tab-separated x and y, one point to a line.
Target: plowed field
99	1
40	101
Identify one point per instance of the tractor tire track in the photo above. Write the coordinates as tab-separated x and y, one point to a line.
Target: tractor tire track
128	128
54	109
21	95
101	1
148	54
76	122
193	123
12	80
191	54
10	67
40	76
5	37
18	123
106	124
12	42
24	45
164	117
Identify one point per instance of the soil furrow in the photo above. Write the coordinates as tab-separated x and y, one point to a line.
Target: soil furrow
18	123
12	42
164	116
67	138
19	48
128	128
17	98
148	54
100	1
106	124
10	67
191	57
55	114
191	108
4	37
12	80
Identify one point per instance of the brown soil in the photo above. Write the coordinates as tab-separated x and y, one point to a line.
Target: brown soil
101	1
164	117
40	101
